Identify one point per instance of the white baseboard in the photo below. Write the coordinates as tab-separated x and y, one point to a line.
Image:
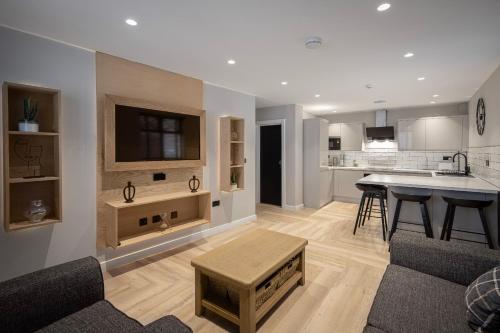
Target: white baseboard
291	207
171	244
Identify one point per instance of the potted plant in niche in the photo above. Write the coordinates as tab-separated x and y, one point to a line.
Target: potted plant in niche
28	124
234	184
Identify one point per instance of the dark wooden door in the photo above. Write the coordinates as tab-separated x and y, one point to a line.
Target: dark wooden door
270	164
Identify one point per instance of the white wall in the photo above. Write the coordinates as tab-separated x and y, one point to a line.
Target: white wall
293	116
490	92
32	60
218	102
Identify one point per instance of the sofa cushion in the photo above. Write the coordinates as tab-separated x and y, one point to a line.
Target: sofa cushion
410	301
168	324
99	317
483	302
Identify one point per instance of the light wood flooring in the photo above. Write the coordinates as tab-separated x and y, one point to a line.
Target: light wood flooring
342	275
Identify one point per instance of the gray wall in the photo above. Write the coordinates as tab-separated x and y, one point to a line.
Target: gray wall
393	115
490	92
33	60
293	116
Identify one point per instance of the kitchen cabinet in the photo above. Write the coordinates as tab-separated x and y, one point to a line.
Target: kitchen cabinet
344	188
334	130
351	136
433	133
411	134
443	133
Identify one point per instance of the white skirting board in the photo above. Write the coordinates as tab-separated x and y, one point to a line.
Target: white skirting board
171	244
297	207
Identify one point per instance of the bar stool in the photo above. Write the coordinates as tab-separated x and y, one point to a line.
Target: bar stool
453	203
422	200
370	193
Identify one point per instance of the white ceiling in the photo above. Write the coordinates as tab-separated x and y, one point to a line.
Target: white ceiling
456	44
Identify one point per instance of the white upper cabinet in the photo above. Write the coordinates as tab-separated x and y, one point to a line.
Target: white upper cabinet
411	134
434	133
351	136
334	130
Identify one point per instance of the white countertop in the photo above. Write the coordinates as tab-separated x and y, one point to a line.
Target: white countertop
447	183
375	169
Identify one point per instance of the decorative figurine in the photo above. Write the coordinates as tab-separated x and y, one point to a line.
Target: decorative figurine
194	184
164	224
129	192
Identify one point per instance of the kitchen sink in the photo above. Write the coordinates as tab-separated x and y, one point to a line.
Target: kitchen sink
451	173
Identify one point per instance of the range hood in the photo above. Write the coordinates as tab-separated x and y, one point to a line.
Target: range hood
381	131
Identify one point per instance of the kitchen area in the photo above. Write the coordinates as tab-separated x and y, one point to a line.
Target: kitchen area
419	156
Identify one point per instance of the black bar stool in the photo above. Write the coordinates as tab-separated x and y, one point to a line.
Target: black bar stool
453	203
422	200
370	193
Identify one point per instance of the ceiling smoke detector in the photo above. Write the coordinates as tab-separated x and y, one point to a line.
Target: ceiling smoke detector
313	42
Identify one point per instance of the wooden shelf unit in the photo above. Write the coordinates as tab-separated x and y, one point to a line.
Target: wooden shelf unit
123	219
32	161
231	152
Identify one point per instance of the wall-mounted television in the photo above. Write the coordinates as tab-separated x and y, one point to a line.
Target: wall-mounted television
142	135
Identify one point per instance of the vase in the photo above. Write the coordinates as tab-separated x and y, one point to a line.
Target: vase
37	211
28	126
234	187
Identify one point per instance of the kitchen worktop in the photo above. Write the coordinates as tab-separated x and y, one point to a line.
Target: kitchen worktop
375	169
446	183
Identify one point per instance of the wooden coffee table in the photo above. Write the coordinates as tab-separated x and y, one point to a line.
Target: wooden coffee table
243	264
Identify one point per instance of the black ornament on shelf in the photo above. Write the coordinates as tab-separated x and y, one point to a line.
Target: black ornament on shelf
129	192
194	184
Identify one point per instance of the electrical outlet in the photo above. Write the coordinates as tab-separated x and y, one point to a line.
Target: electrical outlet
156	218
173	214
446	158
487	163
215	203
159	176
143	221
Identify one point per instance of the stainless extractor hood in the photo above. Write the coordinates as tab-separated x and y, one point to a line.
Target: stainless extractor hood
381	131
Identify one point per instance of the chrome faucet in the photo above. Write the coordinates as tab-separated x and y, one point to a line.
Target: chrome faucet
467	168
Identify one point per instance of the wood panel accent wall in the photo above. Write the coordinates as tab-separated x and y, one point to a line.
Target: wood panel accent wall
121	77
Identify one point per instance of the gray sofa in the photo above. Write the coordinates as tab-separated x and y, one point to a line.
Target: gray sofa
423	288
69	298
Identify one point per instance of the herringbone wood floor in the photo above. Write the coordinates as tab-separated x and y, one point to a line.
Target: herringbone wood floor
342	275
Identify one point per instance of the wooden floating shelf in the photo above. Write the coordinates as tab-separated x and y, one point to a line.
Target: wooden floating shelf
27	224
237	142
131	223
32	180
237	166
160	232
33	133
235	190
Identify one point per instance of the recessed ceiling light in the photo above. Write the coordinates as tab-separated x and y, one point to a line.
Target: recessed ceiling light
131	22
421	78
435	95
317	95
383	7
231	61
284	83
408	55
432	102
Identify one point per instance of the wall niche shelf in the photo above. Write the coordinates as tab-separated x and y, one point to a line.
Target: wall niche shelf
231	153
124	219
32	161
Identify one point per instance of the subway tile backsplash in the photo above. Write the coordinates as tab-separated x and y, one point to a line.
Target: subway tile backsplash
395	159
479	167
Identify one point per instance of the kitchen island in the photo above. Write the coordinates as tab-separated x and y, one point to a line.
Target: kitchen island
438	186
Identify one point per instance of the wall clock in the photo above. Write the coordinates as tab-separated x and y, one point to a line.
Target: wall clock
480	116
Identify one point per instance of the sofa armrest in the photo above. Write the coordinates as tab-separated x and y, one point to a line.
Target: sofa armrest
455	262
168	324
35	300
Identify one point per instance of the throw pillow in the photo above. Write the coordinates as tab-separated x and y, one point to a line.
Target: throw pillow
482	298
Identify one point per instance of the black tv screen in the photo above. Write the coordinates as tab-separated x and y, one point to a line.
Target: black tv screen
152	135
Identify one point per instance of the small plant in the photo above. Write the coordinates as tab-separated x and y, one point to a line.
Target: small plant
233	179
30	110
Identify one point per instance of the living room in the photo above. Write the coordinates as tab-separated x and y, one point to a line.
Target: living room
189	167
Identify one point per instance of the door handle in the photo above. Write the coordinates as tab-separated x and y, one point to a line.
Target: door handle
279	162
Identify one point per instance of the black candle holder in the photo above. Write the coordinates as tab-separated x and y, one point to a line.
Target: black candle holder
194	184
129	192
